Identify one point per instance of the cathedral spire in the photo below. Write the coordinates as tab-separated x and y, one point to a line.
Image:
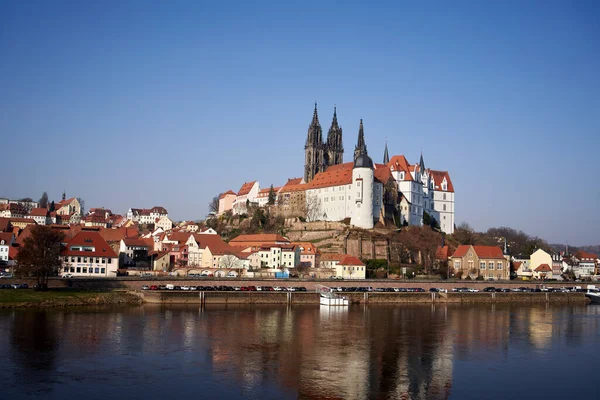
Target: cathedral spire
361	147
313	149
386	156
422	164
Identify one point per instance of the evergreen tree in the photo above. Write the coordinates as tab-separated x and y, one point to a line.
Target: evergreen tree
271	196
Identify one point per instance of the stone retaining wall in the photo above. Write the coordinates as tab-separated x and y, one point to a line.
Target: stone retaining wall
183	297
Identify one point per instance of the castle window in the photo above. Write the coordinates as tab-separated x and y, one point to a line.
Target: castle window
444	207
444	195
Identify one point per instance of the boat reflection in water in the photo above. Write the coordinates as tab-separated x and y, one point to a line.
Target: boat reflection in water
356	352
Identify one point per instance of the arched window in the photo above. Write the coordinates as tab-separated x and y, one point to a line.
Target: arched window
444	207
444	196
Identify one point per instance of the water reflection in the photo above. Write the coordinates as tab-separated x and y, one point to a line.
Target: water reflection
397	352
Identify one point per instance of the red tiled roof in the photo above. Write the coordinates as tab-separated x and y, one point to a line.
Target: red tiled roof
333	257
180	237
582	255
258	238
7	237
382	173
229	192
89	238
309	249
351	260
438	178
112	235
28	220
481	251
265	192
137	242
38	212
442	253
246	187
214	243
293	185
543	268
399	163
12	252
517	265
4	224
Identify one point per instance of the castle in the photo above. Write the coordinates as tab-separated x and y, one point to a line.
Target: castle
362	191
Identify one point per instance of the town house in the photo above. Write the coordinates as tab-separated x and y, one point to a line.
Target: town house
88	254
486	261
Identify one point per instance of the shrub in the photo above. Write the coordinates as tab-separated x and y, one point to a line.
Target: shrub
479	278
468	278
302	219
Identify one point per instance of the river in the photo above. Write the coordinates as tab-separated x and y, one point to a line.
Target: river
364	352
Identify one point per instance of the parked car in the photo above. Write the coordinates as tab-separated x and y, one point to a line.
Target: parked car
66	276
185	288
153	287
489	289
7	276
15	286
278	288
145	287
170	287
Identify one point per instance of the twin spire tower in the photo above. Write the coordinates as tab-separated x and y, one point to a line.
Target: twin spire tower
318	154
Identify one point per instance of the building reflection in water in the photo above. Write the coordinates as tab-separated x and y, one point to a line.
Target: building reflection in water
398	351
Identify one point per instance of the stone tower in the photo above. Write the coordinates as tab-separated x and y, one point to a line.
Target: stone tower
334	149
313	149
362	185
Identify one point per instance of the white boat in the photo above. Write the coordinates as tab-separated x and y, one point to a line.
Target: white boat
329	297
593	295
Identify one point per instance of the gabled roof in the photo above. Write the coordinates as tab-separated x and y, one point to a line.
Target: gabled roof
293	185
27	220
332	257
227	193
246	188
215	244
438	178
399	163
341	174
307	248
481	251
38	212
89	238
265	192
442	253
113	235
137	242
351	260
584	256
517	265
543	268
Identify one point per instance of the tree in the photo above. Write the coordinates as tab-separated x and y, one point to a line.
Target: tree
426	219
44	200
464	234
40	254
272	196
229	261
52	206
302	269
213	206
81	206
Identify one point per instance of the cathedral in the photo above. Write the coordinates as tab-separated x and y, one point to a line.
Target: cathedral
318	154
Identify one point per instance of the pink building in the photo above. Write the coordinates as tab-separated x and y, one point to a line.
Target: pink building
226	201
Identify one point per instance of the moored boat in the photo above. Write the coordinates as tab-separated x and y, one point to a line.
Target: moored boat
593	295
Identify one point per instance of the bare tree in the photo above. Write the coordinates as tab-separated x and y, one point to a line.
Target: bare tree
464	234
44	200
213	206
81	206
40	254
313	207
229	261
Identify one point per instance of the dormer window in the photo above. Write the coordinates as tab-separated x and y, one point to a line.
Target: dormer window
401	175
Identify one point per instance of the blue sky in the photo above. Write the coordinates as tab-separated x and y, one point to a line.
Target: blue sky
169	103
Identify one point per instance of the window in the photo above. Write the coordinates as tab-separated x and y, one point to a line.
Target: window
78	270
444	195
102	270
110	260
499	266
84	259
491	264
444	207
78	259
66	258
104	261
491	275
482	265
84	270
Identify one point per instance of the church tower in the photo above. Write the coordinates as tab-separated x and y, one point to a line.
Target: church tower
386	155
334	151
313	149
361	147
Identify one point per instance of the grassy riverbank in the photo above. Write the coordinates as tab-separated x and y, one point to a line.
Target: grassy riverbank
10	298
